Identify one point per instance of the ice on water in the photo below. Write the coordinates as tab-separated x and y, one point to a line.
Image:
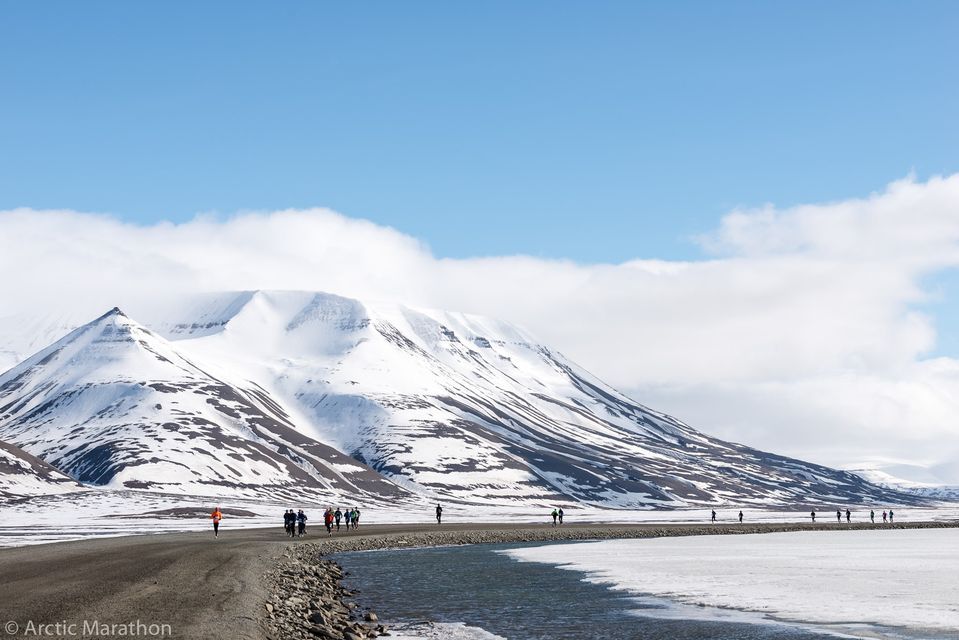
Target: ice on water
441	631
838	580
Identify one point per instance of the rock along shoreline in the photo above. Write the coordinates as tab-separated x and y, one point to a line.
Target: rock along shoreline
307	599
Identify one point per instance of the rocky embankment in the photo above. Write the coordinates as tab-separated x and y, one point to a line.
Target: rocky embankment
307	599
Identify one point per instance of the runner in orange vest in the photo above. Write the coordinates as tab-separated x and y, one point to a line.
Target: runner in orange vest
216	516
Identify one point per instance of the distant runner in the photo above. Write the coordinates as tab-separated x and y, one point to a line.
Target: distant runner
328	520
848	516
838	515
740	517
713	518
872	516
561	515
356	517
813	515
884	517
216	516
555	515
439	514
338	516
890	516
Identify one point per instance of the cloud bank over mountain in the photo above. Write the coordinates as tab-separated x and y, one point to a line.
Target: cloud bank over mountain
805	330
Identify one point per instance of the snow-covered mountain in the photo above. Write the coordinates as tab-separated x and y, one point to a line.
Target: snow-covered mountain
277	391
926	486
113	404
23	475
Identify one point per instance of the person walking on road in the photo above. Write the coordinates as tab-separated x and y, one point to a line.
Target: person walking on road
439	514
555	515
216	516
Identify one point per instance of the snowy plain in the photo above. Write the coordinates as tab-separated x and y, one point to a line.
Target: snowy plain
104	513
886	583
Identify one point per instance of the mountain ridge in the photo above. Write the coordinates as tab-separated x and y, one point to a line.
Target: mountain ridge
439	405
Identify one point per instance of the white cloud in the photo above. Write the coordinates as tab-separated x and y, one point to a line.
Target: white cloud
799	333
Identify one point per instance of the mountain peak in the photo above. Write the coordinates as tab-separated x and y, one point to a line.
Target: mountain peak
112	313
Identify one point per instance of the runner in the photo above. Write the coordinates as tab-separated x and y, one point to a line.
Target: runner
439	514
838	515
813	515
356	517
328	520
884	517
555	515
288	522
561	515
848	515
740	517
301	522
872	516
890	516
713	517
216	516
338	516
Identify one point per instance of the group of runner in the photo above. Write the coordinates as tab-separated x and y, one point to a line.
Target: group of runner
887	516
346	516
557	516
294	522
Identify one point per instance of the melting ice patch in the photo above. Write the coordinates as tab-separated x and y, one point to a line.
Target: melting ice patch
842	580
440	630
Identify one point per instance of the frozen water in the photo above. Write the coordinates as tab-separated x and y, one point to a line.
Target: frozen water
843	580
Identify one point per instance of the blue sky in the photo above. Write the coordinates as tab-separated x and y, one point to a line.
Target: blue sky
597	132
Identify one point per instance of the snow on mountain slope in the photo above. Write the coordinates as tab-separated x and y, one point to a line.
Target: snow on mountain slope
326	394
113	404
920	482
24	334
466	408
22	474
